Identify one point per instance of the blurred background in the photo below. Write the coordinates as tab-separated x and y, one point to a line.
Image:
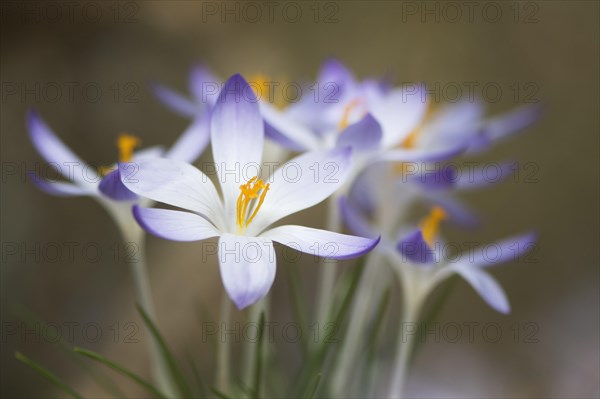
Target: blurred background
86	67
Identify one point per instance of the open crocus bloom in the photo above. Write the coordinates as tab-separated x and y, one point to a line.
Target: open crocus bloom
421	256
249	205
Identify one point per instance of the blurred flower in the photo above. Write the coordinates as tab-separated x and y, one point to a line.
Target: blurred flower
105	184
240	220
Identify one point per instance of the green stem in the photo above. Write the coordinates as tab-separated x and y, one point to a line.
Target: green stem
223	377
251	348
134	235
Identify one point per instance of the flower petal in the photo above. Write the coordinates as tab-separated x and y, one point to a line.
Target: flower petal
413	248
58	188
192	141
247	267
486	287
204	86
297	136
175	183
399	113
53	150
512	122
175	101
363	135
301	183
237	136
355	220
321	243
112	186
504	251
423	154
174	225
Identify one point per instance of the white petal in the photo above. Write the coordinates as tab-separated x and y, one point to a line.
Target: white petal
175	183
301	183
321	243
174	225
247	267
237	136
486	287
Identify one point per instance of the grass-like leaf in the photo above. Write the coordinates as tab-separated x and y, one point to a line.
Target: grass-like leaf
47	375
299	307
176	373
219	394
130	374
259	350
313	388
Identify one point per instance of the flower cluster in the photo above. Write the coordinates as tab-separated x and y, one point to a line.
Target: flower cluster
360	149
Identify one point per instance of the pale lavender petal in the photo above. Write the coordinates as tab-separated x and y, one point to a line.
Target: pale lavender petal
413	248
512	122
322	243
174	225
205	87
295	132
508	250
399	113
150	152
247	267
192	141
364	135
422	154
302	183
237	136
275	135
112	186
437	178
57	188
53	150
175	101
175	183
334	71
490	174
458	213
355	220
486	287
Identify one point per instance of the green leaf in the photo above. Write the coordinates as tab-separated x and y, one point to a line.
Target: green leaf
197	375
130	374
313	389
219	394
176	373
47	375
298	304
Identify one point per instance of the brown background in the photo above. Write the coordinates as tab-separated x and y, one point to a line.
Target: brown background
557	51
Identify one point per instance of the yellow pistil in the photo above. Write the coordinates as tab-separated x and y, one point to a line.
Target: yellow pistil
345	121
430	225
249	192
126	143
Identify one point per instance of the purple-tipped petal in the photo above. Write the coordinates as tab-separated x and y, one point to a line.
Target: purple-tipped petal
175	183
175	101
335	72
296	134
57	188
237	136
355	220
301	183
174	225
423	154
192	141
399	113
486	287
508	250
364	135
247	267
512	122
323	243
205	87
53	150
280	138
413	248
112	186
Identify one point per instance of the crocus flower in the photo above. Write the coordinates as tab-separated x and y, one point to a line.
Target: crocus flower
105	186
421	256
241	217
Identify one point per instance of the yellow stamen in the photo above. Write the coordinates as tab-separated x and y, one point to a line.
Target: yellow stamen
104	170
249	192
430	225
345	121
411	140
126	143
267	89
